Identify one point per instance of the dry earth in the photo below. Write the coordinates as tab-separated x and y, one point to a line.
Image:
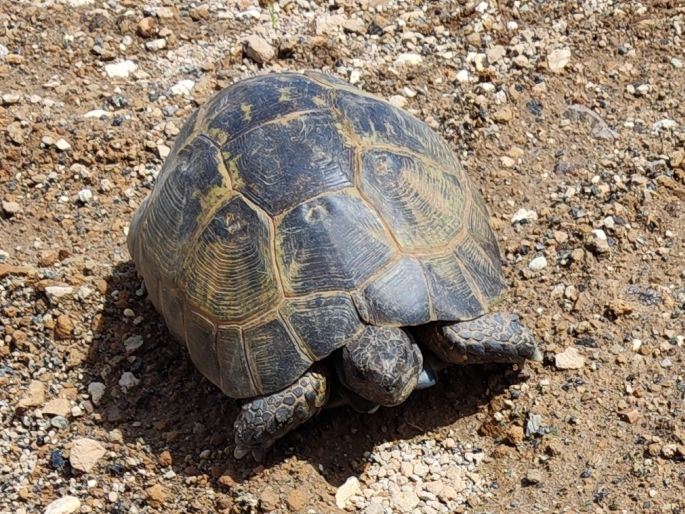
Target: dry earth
570	117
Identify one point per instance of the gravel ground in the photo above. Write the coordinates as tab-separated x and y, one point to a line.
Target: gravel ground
569	116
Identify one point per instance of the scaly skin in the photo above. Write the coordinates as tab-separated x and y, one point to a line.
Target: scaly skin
265	419
382	365
497	337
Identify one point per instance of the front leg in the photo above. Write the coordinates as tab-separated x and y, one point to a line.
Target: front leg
265	419
497	337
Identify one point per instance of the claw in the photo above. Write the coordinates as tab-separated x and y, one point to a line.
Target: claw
240	451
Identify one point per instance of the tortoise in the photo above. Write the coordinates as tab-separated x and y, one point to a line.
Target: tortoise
312	244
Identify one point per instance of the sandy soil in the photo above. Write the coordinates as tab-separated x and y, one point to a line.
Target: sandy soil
571	110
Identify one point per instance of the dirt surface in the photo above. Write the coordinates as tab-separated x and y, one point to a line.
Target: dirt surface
573	111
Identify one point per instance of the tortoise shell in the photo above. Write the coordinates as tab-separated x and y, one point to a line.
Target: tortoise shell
294	209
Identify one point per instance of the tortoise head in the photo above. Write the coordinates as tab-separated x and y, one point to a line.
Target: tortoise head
382	365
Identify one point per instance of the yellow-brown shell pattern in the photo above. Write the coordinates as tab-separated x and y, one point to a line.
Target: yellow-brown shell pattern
295	209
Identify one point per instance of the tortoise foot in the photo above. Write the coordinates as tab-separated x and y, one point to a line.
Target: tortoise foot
497	337
265	419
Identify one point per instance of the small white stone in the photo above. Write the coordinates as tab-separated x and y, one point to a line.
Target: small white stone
10	98
85	453
398	101
62	145
65	505
121	69
345	492
85	195
133	343
463	76
538	263
664	124
163	151
408	59
54	293
355	76
558	59
96	113
569	359
156	44
96	390
183	87
599	234
524	214
128	380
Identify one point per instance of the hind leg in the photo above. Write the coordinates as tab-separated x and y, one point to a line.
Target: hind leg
265	419
497	337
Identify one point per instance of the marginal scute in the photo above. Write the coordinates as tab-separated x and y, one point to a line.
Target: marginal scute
266	98
331	243
482	267
422	203
236	378
398	297
199	339
278	362
451	294
322	322
229	269
172	309
377	122
191	186
282	163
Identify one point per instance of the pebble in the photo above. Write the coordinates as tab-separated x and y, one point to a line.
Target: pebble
120	69
258	49
146	27
62	145
524	215
569	359
163	151
64	327
11	99
128	380
182	88
59	422
11	208
345	492
131	344
558	59
96	390
96	113
57	407
155	44
65	505
632	416
398	101
85	195
85	454
55	293
157	494
538	263
34	396
408	59
463	76
405	501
